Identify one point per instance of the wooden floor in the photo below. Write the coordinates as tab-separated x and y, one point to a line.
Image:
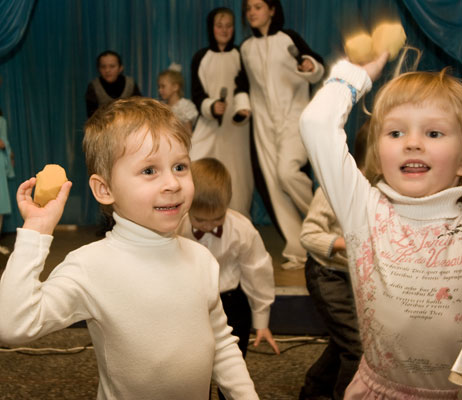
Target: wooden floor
66	239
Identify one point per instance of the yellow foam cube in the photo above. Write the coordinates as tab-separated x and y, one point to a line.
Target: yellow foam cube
358	48
388	36
49	182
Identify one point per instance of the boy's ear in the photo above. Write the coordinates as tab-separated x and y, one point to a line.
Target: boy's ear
101	190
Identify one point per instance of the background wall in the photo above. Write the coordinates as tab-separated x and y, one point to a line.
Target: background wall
46	73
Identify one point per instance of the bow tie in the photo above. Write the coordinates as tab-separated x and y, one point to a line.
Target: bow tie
218	231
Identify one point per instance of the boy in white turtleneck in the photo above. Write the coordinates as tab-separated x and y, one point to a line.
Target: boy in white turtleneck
150	298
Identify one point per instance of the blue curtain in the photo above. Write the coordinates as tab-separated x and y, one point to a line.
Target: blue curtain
46	74
441	20
14	20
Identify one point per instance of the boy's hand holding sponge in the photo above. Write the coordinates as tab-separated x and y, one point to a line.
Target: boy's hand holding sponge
49	182
363	48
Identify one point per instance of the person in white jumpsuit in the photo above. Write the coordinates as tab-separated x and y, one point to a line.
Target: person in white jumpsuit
279	91
222	130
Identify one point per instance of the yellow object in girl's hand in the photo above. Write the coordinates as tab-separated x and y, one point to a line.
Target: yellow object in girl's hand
359	48
388	37
49	182
363	48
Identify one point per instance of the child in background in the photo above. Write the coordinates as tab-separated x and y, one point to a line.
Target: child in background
328	282
217	134
112	84
279	91
246	270
150	298
402	233
6	172
171	90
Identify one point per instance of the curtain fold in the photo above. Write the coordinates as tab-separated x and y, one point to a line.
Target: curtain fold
15	16
441	20
45	78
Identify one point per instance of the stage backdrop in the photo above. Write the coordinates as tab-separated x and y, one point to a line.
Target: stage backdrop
48	50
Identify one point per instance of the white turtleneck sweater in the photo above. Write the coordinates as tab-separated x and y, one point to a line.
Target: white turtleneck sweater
152	306
405	254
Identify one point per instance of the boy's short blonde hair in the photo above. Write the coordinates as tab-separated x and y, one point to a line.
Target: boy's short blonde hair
410	88
175	77
212	186
107	129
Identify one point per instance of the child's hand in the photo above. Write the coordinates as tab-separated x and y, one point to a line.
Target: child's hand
266	334
306	66
219	107
375	67
244	113
339	244
41	219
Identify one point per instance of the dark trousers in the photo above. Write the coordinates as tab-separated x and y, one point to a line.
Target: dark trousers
237	310
332	295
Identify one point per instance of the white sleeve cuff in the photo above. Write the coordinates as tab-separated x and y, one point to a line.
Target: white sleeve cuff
316	74
206	108
353	74
260	320
241	101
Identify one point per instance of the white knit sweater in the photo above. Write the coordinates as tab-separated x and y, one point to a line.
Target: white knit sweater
405	254
152	306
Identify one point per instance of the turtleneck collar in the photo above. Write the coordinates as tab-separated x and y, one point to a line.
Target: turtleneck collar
442	205
115	88
127	231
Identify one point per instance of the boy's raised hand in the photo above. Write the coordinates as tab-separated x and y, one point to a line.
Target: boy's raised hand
266	334
41	219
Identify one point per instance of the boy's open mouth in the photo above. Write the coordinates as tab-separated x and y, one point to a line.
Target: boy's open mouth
414	168
167	208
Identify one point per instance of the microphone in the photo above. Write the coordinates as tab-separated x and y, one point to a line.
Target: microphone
223	94
292	49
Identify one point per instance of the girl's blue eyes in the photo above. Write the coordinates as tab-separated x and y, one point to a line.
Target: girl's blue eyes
431	134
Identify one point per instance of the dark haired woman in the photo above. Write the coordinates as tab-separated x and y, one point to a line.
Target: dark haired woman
112	84
279	91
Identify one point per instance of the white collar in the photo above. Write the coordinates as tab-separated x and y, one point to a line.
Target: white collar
127	231
442	205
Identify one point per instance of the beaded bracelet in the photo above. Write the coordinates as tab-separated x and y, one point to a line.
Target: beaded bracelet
353	90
